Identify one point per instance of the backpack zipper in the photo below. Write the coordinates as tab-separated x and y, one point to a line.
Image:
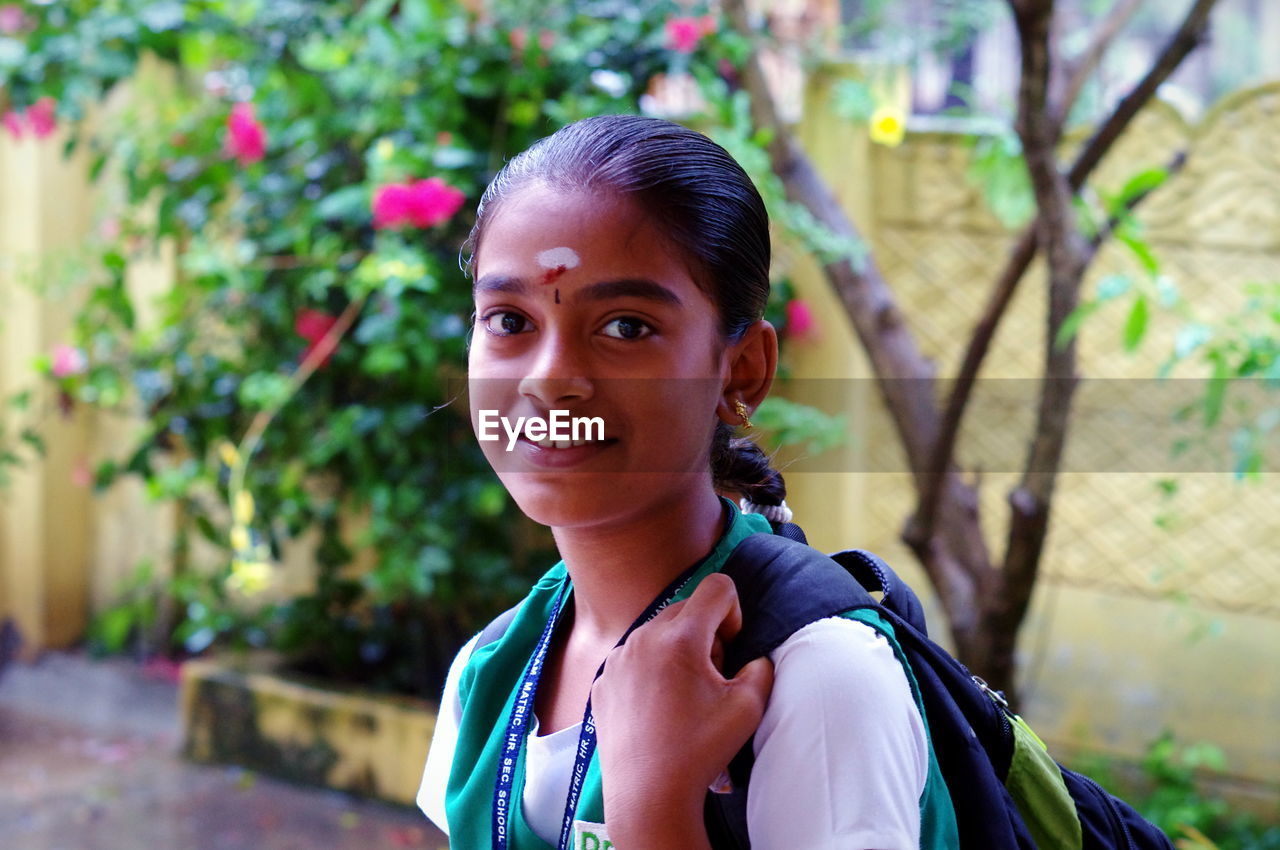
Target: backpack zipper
998	698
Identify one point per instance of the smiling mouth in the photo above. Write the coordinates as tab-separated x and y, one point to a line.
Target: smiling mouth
563	444
562	454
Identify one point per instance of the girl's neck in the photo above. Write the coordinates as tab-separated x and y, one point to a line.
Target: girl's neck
619	569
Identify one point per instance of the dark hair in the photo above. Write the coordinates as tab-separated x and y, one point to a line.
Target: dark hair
701	200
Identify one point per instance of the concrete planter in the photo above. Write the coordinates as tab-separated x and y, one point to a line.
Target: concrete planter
242	710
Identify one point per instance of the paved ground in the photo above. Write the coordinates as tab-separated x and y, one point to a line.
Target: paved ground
88	761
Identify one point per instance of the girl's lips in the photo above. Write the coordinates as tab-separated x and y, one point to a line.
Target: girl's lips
553	458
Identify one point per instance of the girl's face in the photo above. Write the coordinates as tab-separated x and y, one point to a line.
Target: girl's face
583	306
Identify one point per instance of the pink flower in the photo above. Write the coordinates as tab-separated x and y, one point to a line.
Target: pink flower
312	325
12	19
67	361
246	139
81	474
683	34
13	124
519	39
800	321
42	117
420	203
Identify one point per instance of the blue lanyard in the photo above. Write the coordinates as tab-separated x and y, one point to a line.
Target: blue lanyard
518	722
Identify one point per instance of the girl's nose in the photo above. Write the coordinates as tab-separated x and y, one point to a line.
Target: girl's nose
558	376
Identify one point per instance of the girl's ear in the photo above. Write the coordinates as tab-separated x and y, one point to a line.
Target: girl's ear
749	365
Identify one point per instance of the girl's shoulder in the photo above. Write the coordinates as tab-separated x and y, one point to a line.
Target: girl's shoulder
842	749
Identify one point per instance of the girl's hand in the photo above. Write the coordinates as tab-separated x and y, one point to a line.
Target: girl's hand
669	722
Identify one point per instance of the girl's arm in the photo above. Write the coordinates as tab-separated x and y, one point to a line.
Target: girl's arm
669	722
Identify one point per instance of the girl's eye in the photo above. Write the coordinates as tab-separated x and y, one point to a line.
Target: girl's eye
505	323
628	327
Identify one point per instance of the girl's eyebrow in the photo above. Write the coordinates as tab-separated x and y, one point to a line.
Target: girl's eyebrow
500	283
633	287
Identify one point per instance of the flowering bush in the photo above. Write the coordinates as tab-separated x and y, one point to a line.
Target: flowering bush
316	165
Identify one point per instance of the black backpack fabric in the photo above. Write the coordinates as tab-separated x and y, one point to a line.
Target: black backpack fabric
981	746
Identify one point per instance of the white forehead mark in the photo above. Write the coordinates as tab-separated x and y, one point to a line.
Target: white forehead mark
555	258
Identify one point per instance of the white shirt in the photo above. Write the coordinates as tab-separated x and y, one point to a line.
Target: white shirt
841	753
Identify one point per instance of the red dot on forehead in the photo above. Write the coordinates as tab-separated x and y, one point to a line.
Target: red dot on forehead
554	274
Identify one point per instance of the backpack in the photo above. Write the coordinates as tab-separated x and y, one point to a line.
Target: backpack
1006	790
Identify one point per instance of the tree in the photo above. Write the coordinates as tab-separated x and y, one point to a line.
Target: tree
985	594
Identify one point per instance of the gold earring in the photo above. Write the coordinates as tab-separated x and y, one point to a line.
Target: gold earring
741	410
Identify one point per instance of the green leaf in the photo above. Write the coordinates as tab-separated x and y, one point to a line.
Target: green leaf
999	170
264	390
1191	337
1216	391
33	439
853	100
1135	326
1072	324
1138	185
1113	286
1140	250
113	628
349	204
322	55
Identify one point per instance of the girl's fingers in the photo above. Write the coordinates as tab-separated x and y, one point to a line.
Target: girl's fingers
752	686
699	626
712	612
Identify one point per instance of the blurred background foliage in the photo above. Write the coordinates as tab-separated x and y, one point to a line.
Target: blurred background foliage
315	165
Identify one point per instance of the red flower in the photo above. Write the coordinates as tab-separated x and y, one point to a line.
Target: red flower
683	34
12	19
420	203
800	322
13	124
42	118
312	325
246	139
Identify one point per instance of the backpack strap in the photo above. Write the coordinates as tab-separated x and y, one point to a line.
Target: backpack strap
876	576
782	587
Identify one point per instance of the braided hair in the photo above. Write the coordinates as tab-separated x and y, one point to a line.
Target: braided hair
702	201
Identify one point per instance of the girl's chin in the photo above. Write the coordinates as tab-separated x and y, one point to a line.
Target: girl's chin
582	499
565	500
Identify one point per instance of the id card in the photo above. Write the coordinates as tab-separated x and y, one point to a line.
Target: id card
590	836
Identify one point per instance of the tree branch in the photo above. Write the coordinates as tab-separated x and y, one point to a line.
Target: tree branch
1066	255
1175	165
904	376
1188	36
921	527
1078	71
1015	269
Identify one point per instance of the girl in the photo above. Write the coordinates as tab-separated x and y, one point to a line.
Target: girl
620	276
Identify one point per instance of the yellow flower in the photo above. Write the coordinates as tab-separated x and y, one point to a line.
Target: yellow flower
385	149
888	126
239	538
249	577
242	508
227	451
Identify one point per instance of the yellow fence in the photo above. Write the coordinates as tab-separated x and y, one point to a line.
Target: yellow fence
1134	628
1152	613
